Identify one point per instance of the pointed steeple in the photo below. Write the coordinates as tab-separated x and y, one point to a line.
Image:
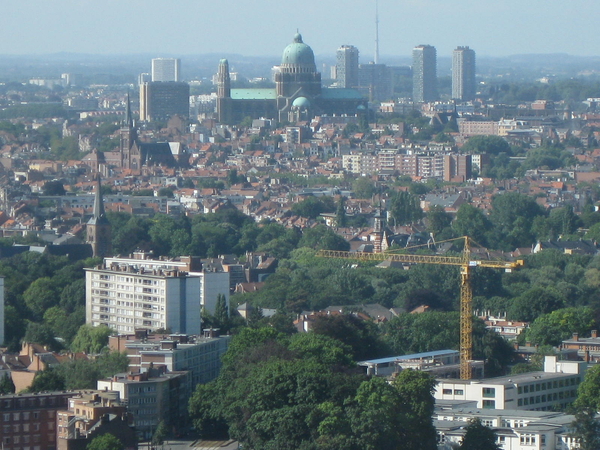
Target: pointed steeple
128	116
99	213
98	228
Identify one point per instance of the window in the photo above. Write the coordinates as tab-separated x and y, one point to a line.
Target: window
459	392
447	391
489	404
489	392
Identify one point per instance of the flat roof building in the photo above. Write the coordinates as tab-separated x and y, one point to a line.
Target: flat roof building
555	387
143	293
166	69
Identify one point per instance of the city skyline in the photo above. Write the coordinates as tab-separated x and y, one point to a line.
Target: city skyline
495	29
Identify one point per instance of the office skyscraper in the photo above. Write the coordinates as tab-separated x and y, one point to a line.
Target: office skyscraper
424	74
162	100
166	69
463	74
347	66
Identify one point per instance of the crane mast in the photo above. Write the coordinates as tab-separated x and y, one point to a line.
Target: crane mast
465	262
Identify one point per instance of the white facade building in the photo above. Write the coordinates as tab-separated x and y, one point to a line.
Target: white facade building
555	387
166	69
138	292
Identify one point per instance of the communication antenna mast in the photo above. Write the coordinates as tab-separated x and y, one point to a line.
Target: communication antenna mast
376	32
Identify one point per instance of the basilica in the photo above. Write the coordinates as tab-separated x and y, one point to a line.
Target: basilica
298	93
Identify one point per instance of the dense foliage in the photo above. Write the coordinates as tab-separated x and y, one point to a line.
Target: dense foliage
303	391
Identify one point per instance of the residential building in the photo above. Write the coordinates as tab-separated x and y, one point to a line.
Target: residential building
478	127
200	355
463	74
160	100
29	420
166	69
90	414
347	66
457	168
152	397
587	349
424	74
139	292
375	81
555	387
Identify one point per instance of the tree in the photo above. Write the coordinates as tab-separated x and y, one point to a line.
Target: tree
312	207
91	339
323	238
47	380
586	429
512	216
553	328
166	192
363	187
405	208
221	316
479	437
357	334
105	442
470	221
416	390
42	334
160	434
491	145
6	385
54	187
588	394
437	220
534	302
340	219
40	296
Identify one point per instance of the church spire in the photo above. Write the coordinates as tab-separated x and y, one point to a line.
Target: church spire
128	116
99	213
98	228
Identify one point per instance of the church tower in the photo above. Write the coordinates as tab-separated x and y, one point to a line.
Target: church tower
98	228
224	112
128	132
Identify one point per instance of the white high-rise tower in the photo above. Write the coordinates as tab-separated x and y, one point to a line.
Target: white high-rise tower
166	69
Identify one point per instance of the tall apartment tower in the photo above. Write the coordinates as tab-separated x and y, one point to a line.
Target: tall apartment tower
424	74
347	66
166	69
463	74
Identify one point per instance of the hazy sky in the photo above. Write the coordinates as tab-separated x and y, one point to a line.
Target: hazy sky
264	27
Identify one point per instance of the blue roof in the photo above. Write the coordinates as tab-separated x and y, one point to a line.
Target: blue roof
390	359
254	94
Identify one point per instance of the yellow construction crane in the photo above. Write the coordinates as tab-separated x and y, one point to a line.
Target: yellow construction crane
465	262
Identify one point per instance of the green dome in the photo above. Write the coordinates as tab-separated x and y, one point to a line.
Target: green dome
301	103
298	53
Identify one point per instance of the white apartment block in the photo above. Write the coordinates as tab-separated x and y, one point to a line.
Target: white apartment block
555	387
429	165
141	293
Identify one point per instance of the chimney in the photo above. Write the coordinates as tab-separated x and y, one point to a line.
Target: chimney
594	334
575	336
